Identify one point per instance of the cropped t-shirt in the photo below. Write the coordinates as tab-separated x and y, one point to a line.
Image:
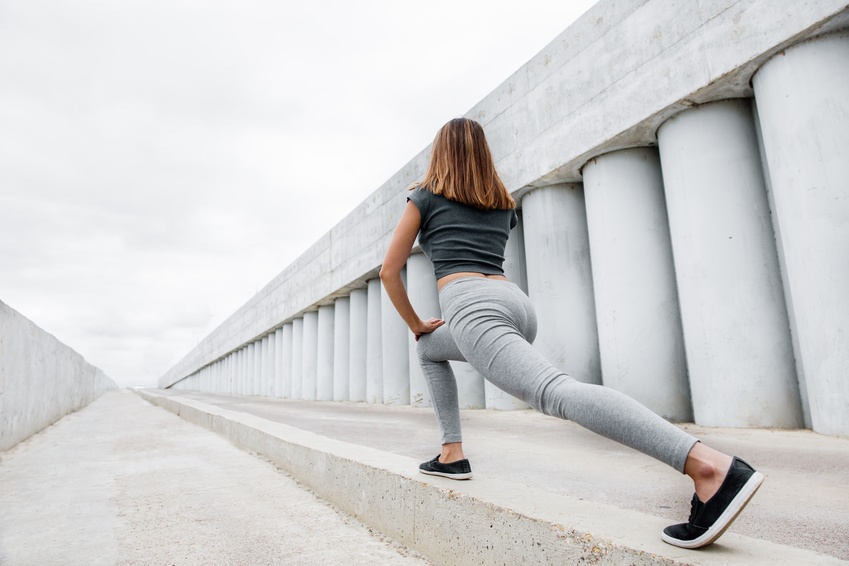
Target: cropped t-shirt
457	237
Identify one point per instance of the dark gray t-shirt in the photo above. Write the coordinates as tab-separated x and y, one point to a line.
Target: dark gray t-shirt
457	237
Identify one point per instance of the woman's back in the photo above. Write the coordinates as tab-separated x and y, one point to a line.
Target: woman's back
460	238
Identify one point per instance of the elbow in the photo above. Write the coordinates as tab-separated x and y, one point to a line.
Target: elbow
388	273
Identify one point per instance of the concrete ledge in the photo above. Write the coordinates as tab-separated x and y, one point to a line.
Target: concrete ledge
483	521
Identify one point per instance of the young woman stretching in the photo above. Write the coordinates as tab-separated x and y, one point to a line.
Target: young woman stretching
462	215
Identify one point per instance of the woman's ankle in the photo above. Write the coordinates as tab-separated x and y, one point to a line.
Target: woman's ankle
451	452
707	468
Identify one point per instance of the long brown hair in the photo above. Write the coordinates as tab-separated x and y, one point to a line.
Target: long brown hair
461	168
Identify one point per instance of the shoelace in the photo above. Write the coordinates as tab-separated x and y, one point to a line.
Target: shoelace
695	505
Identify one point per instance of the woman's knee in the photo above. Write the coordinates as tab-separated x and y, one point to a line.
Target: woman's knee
422	351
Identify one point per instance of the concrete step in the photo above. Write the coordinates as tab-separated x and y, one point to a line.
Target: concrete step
544	491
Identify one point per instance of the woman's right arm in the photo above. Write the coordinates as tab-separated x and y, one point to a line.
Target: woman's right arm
390	273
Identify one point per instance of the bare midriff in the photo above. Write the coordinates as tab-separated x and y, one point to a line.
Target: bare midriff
442	281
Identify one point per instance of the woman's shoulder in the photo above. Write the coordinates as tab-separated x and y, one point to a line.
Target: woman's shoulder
421	197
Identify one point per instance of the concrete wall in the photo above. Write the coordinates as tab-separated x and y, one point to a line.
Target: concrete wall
606	85
41	379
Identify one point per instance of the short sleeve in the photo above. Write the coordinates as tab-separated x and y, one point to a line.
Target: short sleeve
514	219
420	198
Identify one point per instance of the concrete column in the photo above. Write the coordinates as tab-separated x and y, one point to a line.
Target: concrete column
737	335
324	372
243	369
515	271
237	372
639	325
374	346
234	372
257	381
271	366
286	355
560	285
266	367
396	360
358	352
231	373
250	363
421	288
802	99
310	359
247	356
297	357
228	380
342	349
278	363
515	265
247	362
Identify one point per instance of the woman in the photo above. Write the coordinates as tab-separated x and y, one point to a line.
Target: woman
462	214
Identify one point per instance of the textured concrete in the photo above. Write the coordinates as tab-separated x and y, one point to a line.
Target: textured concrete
737	335
803	101
394	336
560	280
544	492
358	348
123	482
374	344
326	340
639	326
342	349
421	288
41	379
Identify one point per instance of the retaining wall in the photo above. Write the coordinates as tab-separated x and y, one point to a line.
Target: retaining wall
41	379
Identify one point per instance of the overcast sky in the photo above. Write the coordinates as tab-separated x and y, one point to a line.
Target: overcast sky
162	160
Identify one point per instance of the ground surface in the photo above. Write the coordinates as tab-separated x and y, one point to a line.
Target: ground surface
803	502
124	482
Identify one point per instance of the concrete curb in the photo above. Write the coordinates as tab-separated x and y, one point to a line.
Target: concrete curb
483	521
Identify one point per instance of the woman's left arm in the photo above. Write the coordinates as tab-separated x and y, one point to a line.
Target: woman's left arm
390	273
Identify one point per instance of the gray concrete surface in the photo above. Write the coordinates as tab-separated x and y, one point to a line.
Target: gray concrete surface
41	379
538	482
124	482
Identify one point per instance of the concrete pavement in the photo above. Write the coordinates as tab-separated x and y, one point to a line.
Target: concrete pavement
124	482
535	470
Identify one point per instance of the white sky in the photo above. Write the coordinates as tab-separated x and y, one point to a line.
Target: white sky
162	160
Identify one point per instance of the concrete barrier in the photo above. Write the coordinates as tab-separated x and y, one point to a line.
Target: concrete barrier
41	379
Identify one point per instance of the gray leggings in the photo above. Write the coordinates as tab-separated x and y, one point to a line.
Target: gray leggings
491	323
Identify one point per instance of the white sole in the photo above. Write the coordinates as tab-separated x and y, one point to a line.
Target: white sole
449	476
723	521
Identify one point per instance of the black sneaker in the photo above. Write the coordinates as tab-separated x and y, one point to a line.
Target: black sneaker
709	520
459	470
